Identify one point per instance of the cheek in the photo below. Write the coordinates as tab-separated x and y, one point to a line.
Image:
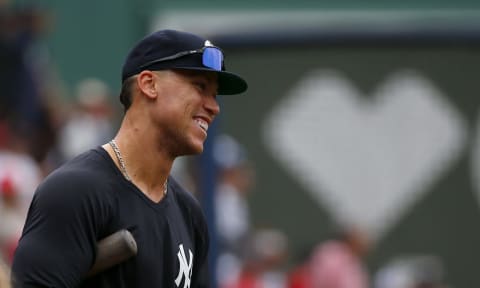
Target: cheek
190	103
189	109
185	103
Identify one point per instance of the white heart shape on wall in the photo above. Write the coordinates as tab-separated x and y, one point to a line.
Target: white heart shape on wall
366	160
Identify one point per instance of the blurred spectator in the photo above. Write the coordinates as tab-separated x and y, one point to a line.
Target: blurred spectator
299	275
12	219
23	76
184	170
264	268
19	177
90	123
412	272
26	133
18	166
236	178
338	263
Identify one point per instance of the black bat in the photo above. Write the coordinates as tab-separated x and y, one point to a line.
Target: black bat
113	250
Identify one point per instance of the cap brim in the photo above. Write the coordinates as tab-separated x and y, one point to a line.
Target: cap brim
228	83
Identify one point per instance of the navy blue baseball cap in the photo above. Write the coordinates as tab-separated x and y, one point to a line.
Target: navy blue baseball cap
171	49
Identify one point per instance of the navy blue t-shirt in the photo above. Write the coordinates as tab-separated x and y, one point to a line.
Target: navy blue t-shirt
88	199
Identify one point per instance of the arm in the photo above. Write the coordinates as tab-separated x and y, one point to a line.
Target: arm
58	243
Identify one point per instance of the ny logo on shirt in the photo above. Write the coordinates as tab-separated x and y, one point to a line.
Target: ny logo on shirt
185	267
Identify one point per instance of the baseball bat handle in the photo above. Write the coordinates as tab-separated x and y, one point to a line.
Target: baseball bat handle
112	250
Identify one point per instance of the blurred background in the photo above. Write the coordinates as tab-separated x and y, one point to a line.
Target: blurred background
353	160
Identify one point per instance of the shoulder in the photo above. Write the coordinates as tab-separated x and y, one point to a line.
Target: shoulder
88	167
90	163
80	191
84	176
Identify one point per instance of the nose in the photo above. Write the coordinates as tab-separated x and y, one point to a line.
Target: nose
211	105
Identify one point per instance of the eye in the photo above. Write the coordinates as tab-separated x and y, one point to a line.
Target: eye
201	86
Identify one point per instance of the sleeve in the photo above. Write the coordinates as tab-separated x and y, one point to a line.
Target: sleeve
58	242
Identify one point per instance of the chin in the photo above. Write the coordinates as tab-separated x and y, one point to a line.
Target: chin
194	148
197	144
193	151
198	149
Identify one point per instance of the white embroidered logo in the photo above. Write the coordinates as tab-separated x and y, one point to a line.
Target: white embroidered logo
208	44
185	269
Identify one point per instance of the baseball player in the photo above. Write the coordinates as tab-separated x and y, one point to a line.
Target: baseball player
170	80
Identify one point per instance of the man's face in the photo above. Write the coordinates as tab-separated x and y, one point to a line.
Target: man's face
188	105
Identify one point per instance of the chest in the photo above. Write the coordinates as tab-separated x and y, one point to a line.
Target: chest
165	240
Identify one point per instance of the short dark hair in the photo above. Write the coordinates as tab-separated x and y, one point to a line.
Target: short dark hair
126	93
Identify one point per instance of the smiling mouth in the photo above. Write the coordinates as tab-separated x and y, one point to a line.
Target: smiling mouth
203	124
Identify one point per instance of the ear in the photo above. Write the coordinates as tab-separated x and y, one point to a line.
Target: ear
146	83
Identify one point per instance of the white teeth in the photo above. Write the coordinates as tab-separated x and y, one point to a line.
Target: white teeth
202	124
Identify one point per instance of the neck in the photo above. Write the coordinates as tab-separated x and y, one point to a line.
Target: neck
147	164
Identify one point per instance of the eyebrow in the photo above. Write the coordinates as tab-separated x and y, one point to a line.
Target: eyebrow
199	73
208	76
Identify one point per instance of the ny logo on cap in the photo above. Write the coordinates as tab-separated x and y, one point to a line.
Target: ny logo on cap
208	44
